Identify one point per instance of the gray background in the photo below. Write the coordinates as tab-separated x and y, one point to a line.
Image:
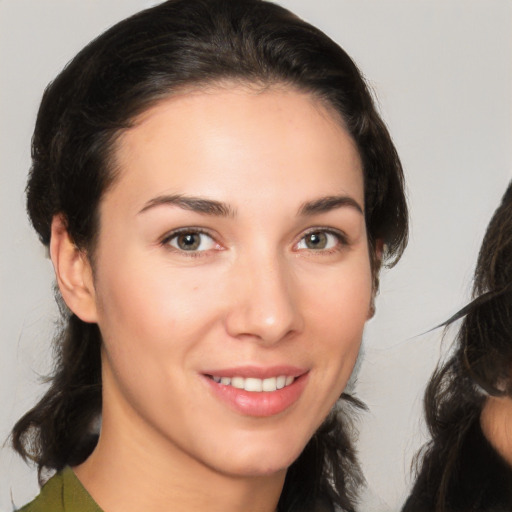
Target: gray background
441	70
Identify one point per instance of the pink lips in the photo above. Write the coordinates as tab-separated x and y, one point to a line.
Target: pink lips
258	403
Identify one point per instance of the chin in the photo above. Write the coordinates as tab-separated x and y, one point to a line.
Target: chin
257	469
262	461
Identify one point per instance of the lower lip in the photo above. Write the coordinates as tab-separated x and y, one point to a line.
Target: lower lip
259	404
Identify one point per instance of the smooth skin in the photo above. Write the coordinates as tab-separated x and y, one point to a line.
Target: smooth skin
270	266
496	423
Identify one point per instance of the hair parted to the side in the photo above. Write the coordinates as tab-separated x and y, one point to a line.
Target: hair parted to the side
101	92
480	366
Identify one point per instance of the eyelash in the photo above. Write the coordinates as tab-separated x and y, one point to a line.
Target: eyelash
339	235
166	241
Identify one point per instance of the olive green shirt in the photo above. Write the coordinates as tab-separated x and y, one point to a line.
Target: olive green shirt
62	493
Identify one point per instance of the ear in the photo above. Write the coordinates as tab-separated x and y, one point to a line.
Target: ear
73	272
376	264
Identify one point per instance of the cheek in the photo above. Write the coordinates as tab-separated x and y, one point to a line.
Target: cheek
149	301
342	301
339	314
150	321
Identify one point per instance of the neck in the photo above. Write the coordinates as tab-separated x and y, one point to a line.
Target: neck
496	423
124	476
134	468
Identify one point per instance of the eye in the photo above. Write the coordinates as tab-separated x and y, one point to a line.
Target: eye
190	241
320	240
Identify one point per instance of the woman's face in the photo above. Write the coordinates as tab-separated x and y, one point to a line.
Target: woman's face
232	278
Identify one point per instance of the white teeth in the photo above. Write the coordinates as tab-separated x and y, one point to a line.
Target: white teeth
269	384
256	385
253	384
238	382
280	382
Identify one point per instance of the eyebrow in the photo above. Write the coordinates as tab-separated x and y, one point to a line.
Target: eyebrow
195	204
328	203
220	209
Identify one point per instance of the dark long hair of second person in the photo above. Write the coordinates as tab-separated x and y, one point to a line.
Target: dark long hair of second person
481	365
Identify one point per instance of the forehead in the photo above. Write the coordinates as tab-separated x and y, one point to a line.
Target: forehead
238	139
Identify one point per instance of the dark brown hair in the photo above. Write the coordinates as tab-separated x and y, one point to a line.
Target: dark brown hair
480	366
119	75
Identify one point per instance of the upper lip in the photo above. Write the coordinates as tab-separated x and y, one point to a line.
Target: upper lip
258	372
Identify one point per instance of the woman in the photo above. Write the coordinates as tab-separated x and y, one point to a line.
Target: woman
467	464
217	193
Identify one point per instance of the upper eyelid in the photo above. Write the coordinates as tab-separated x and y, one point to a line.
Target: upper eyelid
333	231
179	231
165	242
342	241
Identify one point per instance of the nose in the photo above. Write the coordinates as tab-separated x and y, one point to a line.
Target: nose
265	303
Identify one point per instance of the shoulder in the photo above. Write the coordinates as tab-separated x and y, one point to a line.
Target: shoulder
50	499
62	493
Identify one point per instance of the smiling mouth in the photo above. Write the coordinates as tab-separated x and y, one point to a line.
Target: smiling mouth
253	384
